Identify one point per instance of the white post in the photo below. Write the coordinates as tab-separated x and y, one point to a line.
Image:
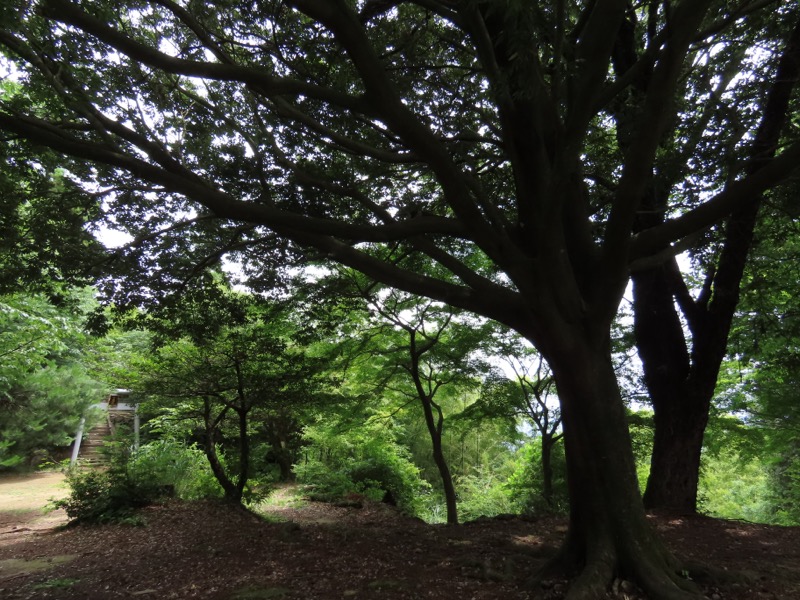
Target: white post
76	447
136	429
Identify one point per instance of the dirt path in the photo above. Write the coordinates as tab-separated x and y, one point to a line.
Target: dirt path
24	499
307	550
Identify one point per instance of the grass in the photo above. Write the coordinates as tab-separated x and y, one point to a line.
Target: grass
57	583
31	491
287	496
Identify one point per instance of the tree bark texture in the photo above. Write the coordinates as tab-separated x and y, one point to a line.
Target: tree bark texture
609	535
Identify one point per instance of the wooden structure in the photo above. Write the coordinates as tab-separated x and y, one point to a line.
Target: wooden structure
116	410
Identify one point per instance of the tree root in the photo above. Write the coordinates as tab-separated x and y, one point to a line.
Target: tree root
658	579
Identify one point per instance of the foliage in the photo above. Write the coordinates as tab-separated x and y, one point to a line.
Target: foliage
228	368
523	396
367	460
103	497
733	486
525	485
484	493
640	424
45	241
175	466
761	381
784	487
46	385
111	495
53	401
159	469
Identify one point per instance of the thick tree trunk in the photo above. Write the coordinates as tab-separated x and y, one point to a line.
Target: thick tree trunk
679	418
609	535
677	446
681	385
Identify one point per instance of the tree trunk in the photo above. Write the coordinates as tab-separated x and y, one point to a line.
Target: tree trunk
435	430
681	385
609	535
282	456
675	463
232	492
435	424
547	468
675	460
244	453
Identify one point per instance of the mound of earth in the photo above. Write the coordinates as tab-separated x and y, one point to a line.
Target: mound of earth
320	551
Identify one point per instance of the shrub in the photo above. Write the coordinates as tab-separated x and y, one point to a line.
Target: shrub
525	483
363	462
484	494
135	479
103	497
172	465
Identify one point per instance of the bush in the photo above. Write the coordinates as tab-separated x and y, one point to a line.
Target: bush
103	497
163	468
172	465
484	494
365	462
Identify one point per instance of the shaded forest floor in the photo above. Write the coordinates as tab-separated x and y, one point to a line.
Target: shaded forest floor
317	551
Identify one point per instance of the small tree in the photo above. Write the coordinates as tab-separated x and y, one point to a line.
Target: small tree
524	390
424	351
233	380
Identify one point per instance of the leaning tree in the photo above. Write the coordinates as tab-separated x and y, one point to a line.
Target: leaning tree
464	150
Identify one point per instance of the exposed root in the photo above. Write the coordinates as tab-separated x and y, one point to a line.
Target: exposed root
560	566
664	584
660	577
593	581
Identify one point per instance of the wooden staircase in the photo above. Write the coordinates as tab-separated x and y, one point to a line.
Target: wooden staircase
90	455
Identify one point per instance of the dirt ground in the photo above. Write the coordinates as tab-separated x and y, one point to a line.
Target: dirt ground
23	499
317	551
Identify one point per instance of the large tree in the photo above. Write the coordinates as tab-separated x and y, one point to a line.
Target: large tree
682	337
475	138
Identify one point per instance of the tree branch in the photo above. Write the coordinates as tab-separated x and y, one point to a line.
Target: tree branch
71	14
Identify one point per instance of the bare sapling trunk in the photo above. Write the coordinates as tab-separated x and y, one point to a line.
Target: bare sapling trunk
434	424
